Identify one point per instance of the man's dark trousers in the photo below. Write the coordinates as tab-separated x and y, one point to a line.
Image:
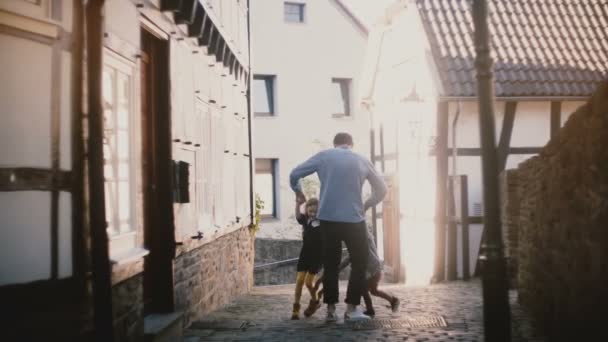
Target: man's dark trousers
354	236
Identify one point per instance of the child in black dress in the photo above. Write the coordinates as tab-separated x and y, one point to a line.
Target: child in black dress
373	274
310	261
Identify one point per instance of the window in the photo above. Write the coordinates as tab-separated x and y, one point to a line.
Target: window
265	182
294	12
263	95
340	96
118	174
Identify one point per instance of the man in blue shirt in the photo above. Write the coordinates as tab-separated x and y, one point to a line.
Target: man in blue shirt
342	213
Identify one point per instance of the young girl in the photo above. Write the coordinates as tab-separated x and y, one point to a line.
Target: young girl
310	260
373	274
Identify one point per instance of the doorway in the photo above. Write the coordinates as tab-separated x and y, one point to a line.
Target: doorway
156	164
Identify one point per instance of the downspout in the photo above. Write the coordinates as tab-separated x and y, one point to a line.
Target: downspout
252	205
452	245
372	135
454	147
102	285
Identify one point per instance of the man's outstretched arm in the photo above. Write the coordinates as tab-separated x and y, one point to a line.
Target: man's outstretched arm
378	187
306	168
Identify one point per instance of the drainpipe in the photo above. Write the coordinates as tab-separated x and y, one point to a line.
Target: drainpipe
496	312
452	269
249	120
102	284
372	135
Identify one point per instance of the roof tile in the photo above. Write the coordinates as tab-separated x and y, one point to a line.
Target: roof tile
541	48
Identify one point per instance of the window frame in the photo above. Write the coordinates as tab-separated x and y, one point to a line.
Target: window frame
301	11
347	103
270	94
274	162
121	243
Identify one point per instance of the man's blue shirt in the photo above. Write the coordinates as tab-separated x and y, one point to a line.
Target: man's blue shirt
342	174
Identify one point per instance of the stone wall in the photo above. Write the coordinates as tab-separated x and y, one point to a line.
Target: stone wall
214	274
563	227
268	251
127	307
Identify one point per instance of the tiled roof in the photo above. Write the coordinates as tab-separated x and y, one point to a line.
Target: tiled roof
539	47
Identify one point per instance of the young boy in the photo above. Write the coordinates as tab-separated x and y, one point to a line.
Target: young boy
373	274
310	260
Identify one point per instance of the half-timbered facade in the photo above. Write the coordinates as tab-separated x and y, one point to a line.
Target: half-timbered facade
549	56
125	164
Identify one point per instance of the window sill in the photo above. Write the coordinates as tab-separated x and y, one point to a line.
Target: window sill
128	256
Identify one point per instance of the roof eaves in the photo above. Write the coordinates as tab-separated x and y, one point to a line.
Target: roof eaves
352	16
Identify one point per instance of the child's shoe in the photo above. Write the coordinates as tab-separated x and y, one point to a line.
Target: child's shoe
395	302
313	306
331	314
296	311
370	312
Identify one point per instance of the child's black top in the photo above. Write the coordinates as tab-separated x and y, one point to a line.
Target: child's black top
310	259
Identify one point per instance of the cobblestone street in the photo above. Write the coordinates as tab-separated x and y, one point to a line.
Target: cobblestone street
264	316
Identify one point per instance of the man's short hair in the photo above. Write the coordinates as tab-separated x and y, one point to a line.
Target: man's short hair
343	139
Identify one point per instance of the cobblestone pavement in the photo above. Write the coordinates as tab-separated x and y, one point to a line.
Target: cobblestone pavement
264	315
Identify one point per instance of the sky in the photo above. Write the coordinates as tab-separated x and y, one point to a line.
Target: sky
368	10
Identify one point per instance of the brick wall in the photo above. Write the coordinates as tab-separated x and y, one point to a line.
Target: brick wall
214	274
562	227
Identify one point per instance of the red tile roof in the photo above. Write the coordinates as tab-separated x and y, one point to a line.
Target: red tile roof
539	47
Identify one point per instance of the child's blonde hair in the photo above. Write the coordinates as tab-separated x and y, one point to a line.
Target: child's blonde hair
312	202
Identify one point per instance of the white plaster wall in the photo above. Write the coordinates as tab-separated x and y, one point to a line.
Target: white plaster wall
26	105
304	57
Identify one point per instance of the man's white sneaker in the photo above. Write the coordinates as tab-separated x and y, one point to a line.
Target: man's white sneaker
355	316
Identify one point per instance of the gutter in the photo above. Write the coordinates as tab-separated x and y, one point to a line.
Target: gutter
516	98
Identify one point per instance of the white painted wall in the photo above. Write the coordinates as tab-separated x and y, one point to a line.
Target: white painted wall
304	57
26	104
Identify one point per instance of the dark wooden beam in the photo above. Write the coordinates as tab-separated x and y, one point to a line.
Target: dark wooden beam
464	217
100	261
476	151
32	179
196	28
186	12
556	117
441	147
505	134
382	157
452	233
213	42
525	150
205	36
170	5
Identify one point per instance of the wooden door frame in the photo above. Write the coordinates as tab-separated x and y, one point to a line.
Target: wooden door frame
159	235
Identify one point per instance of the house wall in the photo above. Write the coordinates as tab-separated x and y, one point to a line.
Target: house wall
35	129
560	227
394	70
208	106
531	128
304	57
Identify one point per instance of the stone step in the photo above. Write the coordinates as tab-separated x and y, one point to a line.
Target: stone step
163	327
